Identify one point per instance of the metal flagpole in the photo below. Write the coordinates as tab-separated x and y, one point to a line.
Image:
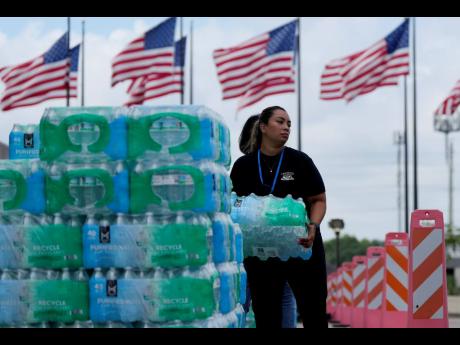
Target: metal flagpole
191	62
181	68
82	63
451	185
406	172
399	141
446	147
299	104
68	70
415	119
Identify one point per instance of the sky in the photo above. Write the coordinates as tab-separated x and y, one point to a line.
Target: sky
351	144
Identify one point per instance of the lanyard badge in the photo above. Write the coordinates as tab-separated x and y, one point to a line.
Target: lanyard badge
277	170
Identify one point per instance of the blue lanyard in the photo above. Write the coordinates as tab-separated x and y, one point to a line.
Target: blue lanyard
277	170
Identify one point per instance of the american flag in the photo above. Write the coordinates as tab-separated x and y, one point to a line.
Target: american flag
160	84
153	52
42	78
259	67
74	53
360	73
447	116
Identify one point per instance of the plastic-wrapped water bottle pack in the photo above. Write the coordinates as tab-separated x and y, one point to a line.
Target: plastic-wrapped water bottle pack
120	217
271	226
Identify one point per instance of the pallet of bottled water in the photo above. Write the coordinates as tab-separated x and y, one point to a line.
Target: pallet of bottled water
271	226
123	220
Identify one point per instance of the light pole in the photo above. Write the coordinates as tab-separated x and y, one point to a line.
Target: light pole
337	225
398	139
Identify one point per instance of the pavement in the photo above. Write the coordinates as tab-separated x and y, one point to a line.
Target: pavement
453	308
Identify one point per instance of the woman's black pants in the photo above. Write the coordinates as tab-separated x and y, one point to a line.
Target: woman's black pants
308	281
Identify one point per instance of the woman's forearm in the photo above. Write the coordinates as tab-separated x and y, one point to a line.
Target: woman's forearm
317	211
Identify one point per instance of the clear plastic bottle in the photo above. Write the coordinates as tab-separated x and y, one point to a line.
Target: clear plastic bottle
23	274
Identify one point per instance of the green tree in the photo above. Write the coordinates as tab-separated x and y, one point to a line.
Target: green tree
452	237
349	247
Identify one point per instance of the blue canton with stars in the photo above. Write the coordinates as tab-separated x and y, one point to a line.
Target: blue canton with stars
399	38
74	52
161	36
59	51
179	52
282	39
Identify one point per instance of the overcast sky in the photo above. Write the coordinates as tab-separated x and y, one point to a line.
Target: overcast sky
351	144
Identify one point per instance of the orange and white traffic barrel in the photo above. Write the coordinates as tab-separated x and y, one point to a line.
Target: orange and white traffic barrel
396	280
337	315
359	291
374	287
427	271
331	301
333	292
329	295
347	293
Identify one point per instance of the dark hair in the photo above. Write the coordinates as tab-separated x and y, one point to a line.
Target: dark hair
251	136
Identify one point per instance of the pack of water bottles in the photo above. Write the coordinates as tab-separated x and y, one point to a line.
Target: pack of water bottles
45	242
24	142
167	134
133	206
168	241
39	297
271	226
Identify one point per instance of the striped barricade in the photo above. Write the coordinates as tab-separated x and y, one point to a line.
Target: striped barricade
333	293
359	291
396	280
347	293
338	309
427	271
374	286
329	295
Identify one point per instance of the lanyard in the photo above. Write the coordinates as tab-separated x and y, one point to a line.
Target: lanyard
277	170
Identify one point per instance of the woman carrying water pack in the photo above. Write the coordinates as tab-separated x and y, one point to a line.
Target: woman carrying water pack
270	167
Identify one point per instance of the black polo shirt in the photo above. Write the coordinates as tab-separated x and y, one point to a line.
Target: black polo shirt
297	176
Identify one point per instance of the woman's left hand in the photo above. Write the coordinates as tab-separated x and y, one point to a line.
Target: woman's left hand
308	242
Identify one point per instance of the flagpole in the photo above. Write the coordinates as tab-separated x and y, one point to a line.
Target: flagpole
181	68
415	119
82	63
68	75
406	175
299	104
191	62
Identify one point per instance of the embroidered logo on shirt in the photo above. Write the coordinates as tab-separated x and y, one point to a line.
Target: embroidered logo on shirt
287	176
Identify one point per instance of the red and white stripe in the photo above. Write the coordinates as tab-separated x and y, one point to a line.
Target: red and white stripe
155	86
246	71
359	284
334	290
135	61
447	116
427	268
347	287
329	294
363	72
34	82
397	279
375	282
451	103
339	293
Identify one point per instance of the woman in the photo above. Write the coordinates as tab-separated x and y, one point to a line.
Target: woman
288	305
269	167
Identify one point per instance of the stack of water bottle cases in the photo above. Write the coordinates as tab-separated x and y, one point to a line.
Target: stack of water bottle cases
123	221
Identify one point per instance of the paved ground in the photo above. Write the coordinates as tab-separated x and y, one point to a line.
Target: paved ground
453	306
